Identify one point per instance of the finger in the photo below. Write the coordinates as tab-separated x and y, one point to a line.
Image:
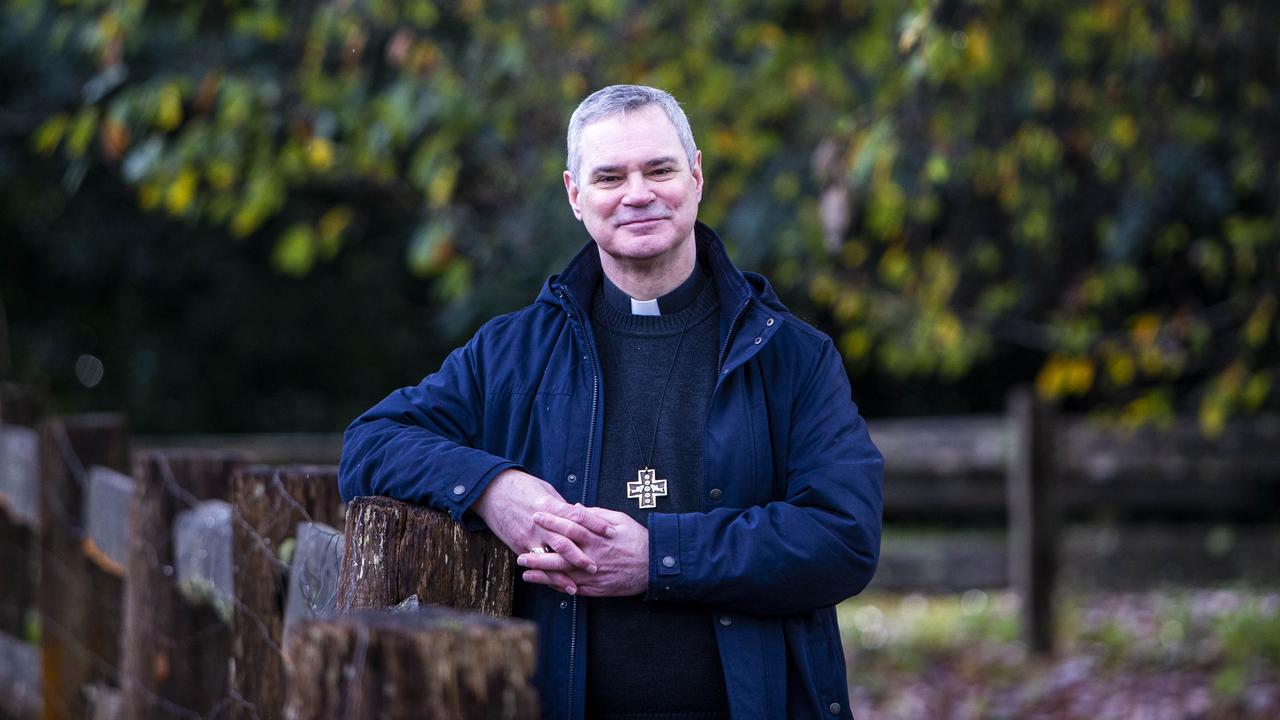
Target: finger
568	528
556	580
592	519
544	561
565	547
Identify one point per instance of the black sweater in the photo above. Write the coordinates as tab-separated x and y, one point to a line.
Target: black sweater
654	660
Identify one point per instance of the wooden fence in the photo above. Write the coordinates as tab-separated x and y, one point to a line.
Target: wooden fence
190	583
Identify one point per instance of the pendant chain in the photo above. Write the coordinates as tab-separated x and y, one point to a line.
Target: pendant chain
657	421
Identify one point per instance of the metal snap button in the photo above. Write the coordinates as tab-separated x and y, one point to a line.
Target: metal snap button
725	621
458	489
668	561
769	323
758	340
834	708
715	493
572	477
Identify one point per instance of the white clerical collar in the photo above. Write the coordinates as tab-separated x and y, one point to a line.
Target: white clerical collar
672	302
645	307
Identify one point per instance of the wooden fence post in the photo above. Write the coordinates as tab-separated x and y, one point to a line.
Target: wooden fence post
394	550
267	505
430	663
79	600
1033	518
20	410
174	653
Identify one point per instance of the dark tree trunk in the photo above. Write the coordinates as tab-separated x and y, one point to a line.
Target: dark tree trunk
268	503
433	663
394	550
79	601
175	653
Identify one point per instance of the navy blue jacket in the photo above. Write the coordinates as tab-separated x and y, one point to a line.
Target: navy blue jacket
793	530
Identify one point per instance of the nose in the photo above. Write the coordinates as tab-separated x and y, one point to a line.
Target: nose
637	190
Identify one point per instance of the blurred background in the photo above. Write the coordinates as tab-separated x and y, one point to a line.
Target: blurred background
242	223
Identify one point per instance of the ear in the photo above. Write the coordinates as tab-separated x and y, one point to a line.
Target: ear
696	171
571	189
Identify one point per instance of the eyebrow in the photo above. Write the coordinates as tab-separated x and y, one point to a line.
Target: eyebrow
605	169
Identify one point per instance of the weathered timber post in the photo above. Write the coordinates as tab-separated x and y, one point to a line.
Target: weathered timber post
79	600
175	652
20	410
267	505
430	663
1033	517
394	550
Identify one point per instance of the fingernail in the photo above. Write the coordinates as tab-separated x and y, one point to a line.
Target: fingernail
537	517
522	561
592	569
527	577
611	532
571	590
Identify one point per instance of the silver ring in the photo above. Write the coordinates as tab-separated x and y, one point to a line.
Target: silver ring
537	550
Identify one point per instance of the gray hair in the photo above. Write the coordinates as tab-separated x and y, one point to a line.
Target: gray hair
621	99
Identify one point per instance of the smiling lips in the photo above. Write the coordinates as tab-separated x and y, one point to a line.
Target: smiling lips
637	221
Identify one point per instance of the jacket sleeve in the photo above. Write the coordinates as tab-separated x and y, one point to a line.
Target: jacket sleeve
418	444
813	548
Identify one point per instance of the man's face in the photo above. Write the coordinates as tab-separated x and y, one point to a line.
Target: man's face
638	197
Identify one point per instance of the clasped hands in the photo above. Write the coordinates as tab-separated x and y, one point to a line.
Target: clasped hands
577	550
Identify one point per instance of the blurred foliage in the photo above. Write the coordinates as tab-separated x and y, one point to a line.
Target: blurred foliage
1086	194
1168	653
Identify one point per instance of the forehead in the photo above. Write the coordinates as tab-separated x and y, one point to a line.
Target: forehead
631	137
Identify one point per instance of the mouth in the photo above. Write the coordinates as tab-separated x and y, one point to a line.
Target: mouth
640	221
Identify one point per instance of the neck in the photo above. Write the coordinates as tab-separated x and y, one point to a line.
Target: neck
650	278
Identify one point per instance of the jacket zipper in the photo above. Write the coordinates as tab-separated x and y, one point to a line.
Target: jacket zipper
728	338
586	477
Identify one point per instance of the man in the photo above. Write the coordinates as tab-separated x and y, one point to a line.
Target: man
674	458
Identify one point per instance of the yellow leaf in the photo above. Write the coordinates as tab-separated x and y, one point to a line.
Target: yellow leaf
947	331
331	226
1079	376
295	252
894	266
1258	326
1050	381
1213	417
1124	131
245	221
1120	369
1145	328
440	189
856	343
978	47
1256	390
320	154
221	174
81	132
169	107
180	193
47	136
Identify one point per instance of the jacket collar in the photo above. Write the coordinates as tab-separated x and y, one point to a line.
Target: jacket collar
582	276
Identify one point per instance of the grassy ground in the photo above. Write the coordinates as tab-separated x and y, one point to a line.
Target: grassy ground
1169	654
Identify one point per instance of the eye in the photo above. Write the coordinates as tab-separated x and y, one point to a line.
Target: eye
664	171
607	179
